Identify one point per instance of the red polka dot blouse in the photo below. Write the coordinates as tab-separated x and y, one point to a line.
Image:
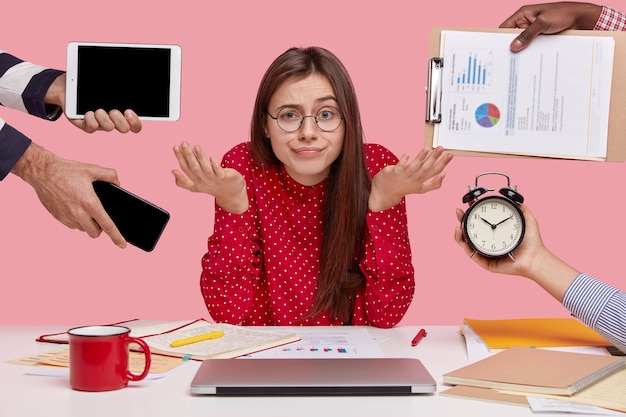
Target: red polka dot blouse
262	266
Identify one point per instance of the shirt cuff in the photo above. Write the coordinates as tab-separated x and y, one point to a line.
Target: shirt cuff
587	297
13	144
610	19
35	92
389	224
232	226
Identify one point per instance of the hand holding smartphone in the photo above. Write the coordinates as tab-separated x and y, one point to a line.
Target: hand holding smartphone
140	222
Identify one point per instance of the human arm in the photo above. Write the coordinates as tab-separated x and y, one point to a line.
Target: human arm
595	303
385	256
550	18
421	175
600	306
387	267
40	91
232	265
532	259
65	188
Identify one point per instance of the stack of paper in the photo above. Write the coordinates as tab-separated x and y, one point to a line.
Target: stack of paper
514	373
559	336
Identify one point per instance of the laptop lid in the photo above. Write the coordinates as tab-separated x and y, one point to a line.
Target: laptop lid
319	376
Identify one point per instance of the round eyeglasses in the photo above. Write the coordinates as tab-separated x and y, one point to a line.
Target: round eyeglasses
328	119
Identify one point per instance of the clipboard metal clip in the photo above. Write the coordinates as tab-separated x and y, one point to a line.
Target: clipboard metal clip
433	90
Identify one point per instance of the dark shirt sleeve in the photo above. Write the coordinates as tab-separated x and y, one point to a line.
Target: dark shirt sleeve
23	87
13	144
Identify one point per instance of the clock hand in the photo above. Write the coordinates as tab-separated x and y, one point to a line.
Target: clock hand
493	226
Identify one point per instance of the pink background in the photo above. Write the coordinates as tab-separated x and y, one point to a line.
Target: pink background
54	275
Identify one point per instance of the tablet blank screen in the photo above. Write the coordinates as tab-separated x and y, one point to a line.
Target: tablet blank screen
136	78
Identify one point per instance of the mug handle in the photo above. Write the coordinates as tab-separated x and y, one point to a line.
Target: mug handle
146	351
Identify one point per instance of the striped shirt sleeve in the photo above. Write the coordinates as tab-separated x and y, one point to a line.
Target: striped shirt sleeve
611	19
23	87
600	306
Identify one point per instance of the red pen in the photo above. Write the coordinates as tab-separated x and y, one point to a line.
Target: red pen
419	336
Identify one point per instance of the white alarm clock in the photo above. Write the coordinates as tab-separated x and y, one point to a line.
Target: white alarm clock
493	225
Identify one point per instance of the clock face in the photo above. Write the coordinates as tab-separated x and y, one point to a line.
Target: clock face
494	226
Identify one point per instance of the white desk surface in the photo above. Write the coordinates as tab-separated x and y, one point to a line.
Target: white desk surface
34	396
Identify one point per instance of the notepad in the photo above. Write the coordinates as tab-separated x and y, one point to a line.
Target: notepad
539	371
236	341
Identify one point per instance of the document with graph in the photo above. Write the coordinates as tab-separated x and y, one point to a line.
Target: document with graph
553	99
325	342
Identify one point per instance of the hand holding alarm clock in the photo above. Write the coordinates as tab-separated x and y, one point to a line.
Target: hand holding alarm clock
493	225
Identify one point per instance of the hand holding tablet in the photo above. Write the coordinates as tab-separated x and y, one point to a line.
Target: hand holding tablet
143	77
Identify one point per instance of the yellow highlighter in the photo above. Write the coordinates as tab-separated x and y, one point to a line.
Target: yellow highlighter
199	338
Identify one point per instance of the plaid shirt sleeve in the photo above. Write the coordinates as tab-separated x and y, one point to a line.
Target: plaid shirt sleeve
611	19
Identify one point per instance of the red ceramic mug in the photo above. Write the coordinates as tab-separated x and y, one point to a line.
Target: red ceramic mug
99	358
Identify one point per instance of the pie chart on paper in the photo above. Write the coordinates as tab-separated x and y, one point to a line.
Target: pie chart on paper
487	115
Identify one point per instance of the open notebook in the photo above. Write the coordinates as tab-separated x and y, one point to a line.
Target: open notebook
322	376
236	340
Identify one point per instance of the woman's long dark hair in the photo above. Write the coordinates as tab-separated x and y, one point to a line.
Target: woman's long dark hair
349	184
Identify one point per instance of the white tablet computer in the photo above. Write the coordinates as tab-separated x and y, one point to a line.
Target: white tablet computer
142	77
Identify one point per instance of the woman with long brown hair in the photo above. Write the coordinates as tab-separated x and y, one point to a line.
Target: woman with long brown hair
310	222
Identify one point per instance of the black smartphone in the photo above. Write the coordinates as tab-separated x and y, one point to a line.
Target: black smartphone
139	221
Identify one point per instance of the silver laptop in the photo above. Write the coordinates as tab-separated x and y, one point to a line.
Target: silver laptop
278	377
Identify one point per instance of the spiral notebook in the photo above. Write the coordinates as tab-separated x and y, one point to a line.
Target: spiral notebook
538	371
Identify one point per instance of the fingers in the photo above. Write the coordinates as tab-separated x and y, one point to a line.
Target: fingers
107	174
509	23
120	123
426	159
113	120
459	214
89	124
90	227
188	161
459	239
133	121
467	249
91	218
183	181
104	121
434	183
458	236
432	163
182	161
102	222
522	40
206	165
197	168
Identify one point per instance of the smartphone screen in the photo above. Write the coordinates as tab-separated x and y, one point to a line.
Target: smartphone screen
139	221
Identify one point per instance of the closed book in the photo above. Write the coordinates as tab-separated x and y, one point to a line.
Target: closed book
535	332
537	371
